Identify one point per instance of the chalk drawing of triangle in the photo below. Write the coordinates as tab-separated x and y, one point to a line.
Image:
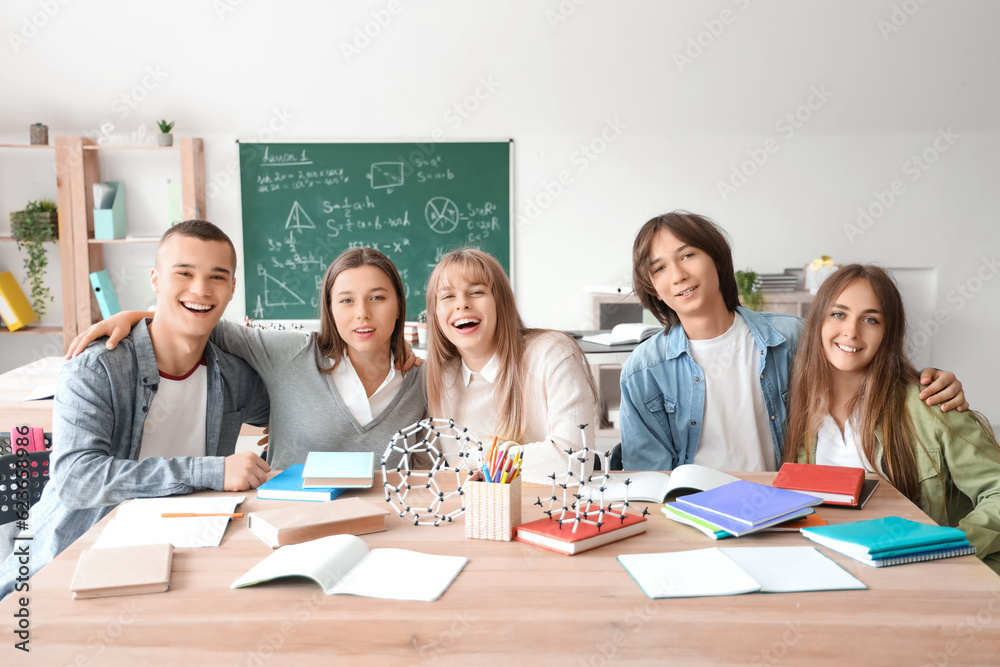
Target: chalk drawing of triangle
298	218
276	293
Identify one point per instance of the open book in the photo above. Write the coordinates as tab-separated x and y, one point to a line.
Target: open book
655	487
736	570
343	565
623	334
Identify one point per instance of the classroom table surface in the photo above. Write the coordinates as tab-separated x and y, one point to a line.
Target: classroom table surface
515	602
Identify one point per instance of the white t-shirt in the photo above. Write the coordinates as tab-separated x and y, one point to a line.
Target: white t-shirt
352	390
735	431
834	448
175	425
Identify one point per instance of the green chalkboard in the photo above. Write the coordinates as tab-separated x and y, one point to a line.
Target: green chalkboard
304	204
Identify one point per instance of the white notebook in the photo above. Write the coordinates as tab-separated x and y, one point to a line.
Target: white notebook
343	565
140	522
736	570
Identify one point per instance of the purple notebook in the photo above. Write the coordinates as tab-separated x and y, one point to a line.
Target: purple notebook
748	502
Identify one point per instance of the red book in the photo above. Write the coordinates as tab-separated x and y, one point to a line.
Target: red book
836	485
548	534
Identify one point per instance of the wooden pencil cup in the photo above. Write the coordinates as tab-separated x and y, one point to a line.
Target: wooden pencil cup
493	511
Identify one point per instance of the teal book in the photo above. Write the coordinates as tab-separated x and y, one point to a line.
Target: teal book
349	470
287	485
967	550
886	536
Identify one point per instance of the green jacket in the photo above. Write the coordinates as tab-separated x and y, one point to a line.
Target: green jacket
959	470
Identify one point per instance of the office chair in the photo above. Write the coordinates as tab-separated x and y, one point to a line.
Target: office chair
21	474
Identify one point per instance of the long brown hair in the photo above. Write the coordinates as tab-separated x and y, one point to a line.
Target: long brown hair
329	341
695	230
511	340
880	403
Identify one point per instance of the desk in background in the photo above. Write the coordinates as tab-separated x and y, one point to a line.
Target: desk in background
18	383
519	604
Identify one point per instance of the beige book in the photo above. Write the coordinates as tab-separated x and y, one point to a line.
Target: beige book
310	521
131	570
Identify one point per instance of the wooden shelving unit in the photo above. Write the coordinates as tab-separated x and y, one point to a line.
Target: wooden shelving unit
88	254
65	251
77	170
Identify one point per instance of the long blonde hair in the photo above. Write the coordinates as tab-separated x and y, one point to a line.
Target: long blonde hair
511	340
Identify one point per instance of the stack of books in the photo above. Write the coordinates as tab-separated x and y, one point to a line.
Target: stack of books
778	282
739	508
892	540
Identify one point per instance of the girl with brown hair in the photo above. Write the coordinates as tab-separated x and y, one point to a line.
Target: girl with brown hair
855	402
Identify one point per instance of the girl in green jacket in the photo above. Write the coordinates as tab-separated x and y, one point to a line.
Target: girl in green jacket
854	402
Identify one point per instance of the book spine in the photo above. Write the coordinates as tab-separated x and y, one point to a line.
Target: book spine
920	557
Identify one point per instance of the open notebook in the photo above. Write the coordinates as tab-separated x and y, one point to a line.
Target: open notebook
343	565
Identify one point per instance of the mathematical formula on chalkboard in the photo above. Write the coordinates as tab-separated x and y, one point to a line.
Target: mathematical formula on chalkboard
304	204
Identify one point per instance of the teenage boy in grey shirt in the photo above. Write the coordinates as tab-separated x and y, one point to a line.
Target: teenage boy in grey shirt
158	415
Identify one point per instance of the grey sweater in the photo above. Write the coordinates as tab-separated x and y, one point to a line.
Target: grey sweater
307	412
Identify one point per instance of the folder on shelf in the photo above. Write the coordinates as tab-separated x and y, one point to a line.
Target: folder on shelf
15	311
107	299
109	211
175	202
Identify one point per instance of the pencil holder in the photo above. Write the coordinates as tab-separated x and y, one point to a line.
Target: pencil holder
493	511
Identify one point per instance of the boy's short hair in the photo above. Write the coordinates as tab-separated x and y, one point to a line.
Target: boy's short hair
695	230
200	229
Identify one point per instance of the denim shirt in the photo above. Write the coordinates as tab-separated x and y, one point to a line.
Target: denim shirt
663	391
100	411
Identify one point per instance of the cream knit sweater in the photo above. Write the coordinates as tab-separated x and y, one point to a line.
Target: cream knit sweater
557	400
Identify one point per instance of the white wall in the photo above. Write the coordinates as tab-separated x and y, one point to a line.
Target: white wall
885	78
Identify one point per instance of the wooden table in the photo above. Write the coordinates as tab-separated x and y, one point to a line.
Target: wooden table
18	383
518	603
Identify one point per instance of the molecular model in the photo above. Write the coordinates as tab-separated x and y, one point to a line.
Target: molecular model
426	437
588	504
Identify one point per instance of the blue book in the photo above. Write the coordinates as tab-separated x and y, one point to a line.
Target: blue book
873	538
907	551
287	485
350	470
748	503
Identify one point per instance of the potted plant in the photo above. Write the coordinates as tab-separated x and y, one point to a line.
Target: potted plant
749	289
39	134
37	224
165	138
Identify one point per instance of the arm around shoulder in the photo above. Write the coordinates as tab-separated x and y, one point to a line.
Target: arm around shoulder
972	461
267	351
